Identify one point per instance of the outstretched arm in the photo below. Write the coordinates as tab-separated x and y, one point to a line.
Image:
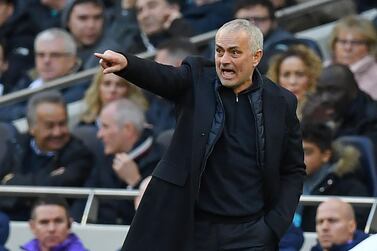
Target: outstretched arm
112	61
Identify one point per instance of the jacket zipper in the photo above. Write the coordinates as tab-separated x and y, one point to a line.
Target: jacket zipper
256	131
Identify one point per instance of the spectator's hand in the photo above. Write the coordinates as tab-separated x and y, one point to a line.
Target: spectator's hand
173	14
126	169
111	61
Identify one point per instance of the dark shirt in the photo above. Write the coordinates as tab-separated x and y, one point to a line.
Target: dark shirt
232	182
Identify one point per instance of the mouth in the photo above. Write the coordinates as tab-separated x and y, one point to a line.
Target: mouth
227	73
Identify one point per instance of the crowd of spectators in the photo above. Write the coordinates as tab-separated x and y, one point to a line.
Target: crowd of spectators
116	142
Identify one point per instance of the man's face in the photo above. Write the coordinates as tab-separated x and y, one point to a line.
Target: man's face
112	88
51	59
333	226
151	15
50	225
334	97
86	23
50	129
258	15
110	133
234	59
314	157
350	46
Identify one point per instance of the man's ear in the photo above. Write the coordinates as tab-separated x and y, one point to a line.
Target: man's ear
257	57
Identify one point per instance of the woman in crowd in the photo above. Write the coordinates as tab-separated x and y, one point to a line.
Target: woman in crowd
107	88
353	42
296	69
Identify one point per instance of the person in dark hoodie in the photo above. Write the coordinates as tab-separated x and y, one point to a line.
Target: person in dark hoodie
336	227
331	169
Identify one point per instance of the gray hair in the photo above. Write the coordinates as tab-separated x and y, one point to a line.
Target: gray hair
128	112
53	97
57	33
255	34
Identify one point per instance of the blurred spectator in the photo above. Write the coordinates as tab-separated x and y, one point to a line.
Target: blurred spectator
353	42
161	113
132	156
4	230
296	69
208	15
158	20
340	104
336	226
331	169
107	88
18	30
262	14
85	20
55	57
47	155
51	225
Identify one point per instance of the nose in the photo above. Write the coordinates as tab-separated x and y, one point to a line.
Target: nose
57	131
51	227
292	80
225	59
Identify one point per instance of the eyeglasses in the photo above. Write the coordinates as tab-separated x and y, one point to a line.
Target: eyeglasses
344	42
53	55
257	19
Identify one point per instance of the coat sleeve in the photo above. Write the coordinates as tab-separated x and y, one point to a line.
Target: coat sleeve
166	81
292	173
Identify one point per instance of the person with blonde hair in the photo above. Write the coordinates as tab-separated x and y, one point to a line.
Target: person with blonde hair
107	88
297	70
353	42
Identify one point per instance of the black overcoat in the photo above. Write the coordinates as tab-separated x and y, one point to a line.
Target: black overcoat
164	220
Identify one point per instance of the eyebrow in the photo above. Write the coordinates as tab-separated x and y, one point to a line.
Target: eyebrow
229	48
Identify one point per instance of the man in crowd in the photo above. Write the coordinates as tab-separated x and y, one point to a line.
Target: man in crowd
51	225
158	21
48	155
336	226
232	175
262	14
55	57
131	156
85	20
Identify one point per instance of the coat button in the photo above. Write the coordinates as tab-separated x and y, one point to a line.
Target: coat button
202	134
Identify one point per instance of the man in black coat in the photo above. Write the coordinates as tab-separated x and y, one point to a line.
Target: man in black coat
45	156
232	175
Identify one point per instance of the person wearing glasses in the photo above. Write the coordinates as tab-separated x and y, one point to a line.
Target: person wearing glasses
262	14
353	42
55	53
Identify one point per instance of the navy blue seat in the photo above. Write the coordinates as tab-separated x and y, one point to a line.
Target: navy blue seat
367	159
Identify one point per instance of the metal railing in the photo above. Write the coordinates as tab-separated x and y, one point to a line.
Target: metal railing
198	40
92	196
